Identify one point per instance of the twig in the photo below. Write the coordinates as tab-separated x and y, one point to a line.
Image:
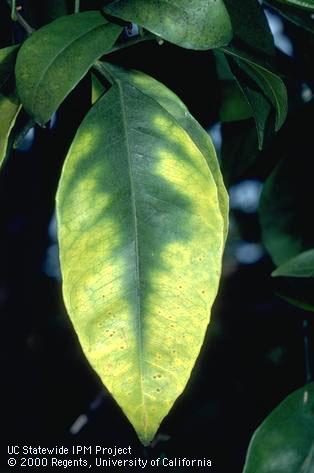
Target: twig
308	370
13	10
18	17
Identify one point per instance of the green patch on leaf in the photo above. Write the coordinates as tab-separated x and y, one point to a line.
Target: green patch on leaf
55	58
141	235
192	24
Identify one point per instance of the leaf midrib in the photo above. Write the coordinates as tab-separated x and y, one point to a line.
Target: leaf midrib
137	262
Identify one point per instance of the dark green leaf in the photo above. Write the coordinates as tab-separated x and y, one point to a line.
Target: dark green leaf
252	35
258	103
234	105
98	88
141	237
284	442
286	204
294	280
306	4
269	83
56	57
301	266
239	149
296	291
299	17
192	24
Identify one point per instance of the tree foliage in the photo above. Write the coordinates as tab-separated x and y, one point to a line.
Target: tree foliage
142	208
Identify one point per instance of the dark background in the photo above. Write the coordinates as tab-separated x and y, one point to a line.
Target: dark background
253	355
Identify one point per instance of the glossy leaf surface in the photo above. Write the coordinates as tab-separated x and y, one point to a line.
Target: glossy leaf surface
192	24
284	441
141	237
55	58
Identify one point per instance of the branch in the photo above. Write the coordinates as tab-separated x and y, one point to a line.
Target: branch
77	6
16	16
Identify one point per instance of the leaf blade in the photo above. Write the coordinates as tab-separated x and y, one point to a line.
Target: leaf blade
143	281
55	58
284	441
208	21
301	266
173	105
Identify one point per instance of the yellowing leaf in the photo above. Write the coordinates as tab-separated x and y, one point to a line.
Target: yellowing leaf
192	24
173	105
55	58
141	238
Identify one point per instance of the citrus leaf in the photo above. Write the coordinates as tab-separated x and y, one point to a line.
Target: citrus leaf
299	17
252	34
269	83
239	149
284	442
306	4
286	202
9	109
141	237
55	58
258	103
192	24
297	291
173	105
98	88
294	280
7	60
301	266
234	105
